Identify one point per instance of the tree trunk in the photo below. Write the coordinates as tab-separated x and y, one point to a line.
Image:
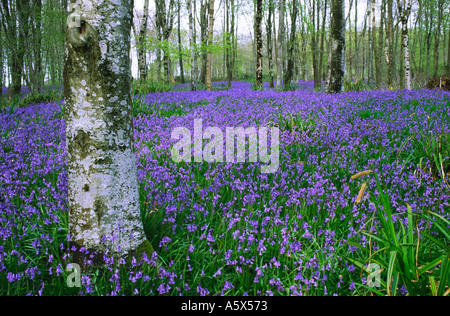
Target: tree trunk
390	44
16	48
280	43
141	49
322	38
258	38
437	39
337	46
270	42
291	45
165	24
210	42
180	51
103	188
315	61
376	59
191	43
404	10
448	55
203	38
228	44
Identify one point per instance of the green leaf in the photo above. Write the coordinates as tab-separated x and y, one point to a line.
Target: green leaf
445	275
433	285
392	259
430	265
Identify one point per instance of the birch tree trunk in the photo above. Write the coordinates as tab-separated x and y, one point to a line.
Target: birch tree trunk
180	53
337	65
210	41
448	55
191	43
390	44
258	38
141	40
404	10
228	44
437	38
280	43
203	38
270	42
290	50
103	195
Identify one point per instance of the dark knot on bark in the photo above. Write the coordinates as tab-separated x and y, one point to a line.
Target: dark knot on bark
80	36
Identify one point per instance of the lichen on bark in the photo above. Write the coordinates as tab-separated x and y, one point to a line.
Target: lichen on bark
104	210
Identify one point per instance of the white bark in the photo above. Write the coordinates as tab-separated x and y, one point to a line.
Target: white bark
279	47
102	175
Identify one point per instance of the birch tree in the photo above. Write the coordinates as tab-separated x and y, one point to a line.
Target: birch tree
210	41
280	43
258	38
103	195
404	10
164	23
270	42
290	49
141	40
337	64
191	43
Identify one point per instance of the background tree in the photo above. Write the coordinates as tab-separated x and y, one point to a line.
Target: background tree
291	45
337	64
210	42
142	65
103	188
259	44
280	68
269	30
14	41
404	10
191	43
164	20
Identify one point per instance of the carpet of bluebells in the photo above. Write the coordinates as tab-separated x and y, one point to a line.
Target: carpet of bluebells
226	228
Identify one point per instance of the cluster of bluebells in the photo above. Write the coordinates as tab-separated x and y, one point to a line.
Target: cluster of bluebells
226	228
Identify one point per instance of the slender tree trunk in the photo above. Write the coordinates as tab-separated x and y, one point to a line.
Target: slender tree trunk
103	188
315	64
141	41
437	38
180	47
322	38
191	43
376	57
203	37
210	41
15	46
379	53
337	46
258	38
356	63
270	42
448	55
404	10
228	43
390	44
291	45
280	43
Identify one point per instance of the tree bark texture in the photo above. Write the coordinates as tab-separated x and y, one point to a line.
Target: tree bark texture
337	65
103	197
259	44
210	41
